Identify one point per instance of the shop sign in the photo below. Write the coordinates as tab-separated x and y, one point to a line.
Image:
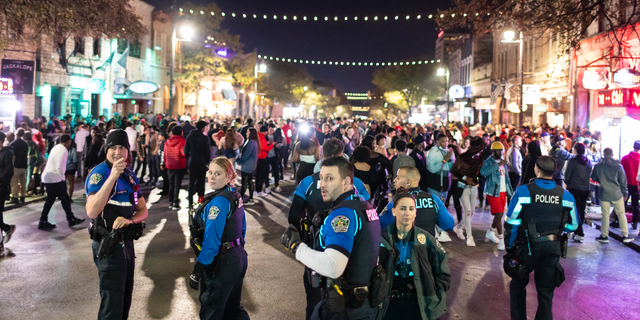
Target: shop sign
143	87
515	108
6	86
594	80
96	86
361	109
618	98
456	92
627	78
531	94
541	108
22	73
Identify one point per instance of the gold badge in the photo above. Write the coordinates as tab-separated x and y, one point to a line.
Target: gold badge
422	238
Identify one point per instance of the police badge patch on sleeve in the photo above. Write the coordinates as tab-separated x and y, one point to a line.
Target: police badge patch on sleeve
422	238
340	224
213	212
95	178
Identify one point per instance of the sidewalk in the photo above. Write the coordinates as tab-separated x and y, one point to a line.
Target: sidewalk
27	201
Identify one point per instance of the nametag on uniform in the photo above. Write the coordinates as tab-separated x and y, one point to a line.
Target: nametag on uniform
545	198
424	203
372	215
318	187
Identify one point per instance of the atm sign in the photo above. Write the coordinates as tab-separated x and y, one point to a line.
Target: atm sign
628	98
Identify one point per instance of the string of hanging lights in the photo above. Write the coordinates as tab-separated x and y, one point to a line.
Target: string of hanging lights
349	63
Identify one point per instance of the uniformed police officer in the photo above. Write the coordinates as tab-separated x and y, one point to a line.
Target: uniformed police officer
346	246
222	260
307	197
430	210
538	214
116	206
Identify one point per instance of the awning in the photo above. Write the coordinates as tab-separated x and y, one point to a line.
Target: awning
229	94
134	96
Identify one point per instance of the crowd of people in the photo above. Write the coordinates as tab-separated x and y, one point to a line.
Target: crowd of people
402	171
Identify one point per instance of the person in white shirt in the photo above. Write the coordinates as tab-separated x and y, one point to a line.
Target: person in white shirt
54	181
81	141
131	135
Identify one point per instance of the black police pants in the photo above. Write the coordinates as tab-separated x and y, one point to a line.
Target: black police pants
175	182
544	263
220	293
398	309
365	312
116	281
56	191
197	175
581	204
314	295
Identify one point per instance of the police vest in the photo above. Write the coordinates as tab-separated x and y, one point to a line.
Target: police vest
315	203
366	244
426	210
121	202
545	210
233	226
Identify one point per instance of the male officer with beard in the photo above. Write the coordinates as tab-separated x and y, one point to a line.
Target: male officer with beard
346	247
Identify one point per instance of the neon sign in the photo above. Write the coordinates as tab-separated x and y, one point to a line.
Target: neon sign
627	78
6	86
627	98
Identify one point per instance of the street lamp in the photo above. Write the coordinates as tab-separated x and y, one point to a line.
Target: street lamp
259	67
445	72
509	36
185	32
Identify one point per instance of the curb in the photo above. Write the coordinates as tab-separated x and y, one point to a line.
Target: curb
27	201
617	234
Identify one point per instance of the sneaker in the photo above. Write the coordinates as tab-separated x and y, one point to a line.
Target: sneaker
444	237
45	225
171	206
602	239
278	189
627	239
22	200
7	234
256	194
470	242
491	235
615	224
634	226
458	230
501	246
75	221
250	202
578	238
267	191
262	194
14	201
175	207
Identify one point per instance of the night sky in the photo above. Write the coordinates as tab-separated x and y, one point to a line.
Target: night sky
359	41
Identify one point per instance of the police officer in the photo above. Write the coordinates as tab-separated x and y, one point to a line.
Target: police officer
538	214
346	246
117	208
308	197
222	260
430	210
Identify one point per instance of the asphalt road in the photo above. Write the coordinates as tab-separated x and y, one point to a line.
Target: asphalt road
51	275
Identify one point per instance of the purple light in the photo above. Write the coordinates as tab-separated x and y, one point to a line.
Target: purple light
222	52
207	46
148	102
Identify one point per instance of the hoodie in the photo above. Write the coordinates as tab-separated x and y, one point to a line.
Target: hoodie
560	155
264	148
611	178
174	157
197	149
630	165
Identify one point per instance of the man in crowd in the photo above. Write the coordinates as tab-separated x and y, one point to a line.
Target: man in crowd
514	161
402	159
6	172
420	159
560	155
630	164
198	153
20	151
81	143
153	151
439	162
132	135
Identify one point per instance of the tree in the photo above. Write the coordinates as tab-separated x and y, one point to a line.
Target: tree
285	83
31	21
412	83
197	69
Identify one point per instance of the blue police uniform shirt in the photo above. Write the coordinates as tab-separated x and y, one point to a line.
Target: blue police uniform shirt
99	175
215	214
405	247
522	196
445	221
340	228
305	184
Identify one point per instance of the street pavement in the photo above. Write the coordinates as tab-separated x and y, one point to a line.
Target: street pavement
51	275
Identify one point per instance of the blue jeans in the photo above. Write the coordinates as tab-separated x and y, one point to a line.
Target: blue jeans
29	174
441	195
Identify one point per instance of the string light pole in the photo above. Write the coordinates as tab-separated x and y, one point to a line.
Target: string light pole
258	68
509	36
186	32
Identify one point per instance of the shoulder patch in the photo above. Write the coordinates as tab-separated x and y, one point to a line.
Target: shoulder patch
340	224
440	246
95	178
422	238
214	211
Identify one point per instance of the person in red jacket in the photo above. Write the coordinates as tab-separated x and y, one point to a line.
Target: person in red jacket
630	165
176	163
262	171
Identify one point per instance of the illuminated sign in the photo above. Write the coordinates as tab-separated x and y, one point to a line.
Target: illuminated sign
440	33
6	86
594	80
363	109
456	91
143	87
628	98
531	94
627	78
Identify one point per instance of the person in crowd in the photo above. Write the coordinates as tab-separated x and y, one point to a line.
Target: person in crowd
545	143
380	171
230	145
612	189
42	160
19	179
381	141
33	157
486	153
53	178
164	173
305	153
439	161
417	268
274	154
323	135
514	161
153	153
560	155
262	169
175	162
187	127
141	166
362	169
454	191
80	140
467	170
132	134
420	159
630	164
245	129
198	153
529	162
72	169
374	130
402	159
577	178
497	189
6	172
249	162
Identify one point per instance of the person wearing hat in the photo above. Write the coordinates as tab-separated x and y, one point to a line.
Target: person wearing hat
420	159
114	202
497	188
560	154
630	164
545	143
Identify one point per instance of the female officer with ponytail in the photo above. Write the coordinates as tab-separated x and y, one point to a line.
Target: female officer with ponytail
417	270
220	228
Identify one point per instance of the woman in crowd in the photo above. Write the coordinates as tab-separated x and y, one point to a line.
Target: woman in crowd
94	153
42	161
306	153
577	176
380	142
249	161
278	137
454	190
380	172
32	157
352	140
529	162
72	168
362	169
418	275
230	145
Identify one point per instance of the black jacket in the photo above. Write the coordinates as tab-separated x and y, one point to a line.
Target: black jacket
6	167
197	149
21	151
186	129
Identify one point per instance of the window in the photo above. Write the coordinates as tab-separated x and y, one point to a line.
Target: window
134	49
79	46
122	45
96	47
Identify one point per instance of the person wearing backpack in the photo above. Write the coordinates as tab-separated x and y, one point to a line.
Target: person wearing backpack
418	275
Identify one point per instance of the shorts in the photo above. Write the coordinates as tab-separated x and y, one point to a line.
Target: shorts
498	203
70	172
